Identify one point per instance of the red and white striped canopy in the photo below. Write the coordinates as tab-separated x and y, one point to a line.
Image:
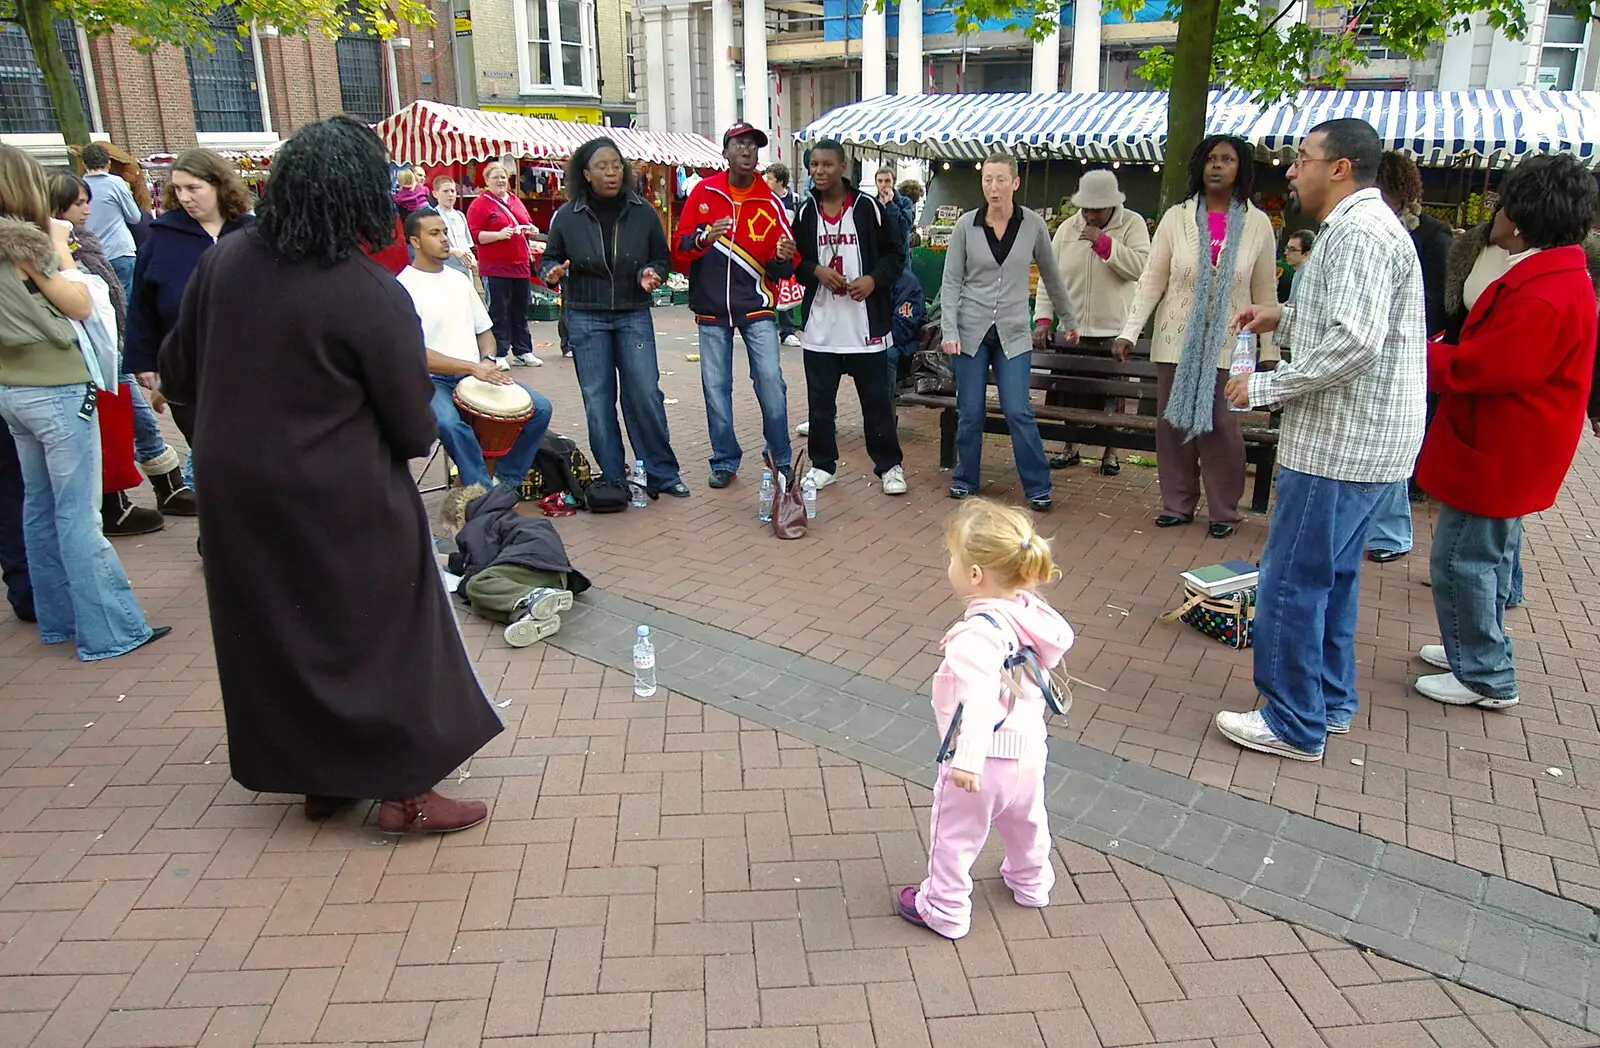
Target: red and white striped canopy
427	132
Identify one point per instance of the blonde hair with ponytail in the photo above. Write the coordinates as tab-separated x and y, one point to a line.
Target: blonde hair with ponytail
1002	541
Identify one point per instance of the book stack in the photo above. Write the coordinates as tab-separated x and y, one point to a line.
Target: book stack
1217	580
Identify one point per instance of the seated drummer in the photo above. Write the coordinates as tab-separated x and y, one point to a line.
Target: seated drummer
460	339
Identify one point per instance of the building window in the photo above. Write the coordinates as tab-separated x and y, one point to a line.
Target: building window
1565	37
222	82
25	104
560	51
633	76
361	76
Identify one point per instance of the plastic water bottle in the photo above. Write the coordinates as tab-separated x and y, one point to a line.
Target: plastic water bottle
768	493
636	485
1243	363
808	495
644	664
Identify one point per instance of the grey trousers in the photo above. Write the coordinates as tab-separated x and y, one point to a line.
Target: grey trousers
1215	461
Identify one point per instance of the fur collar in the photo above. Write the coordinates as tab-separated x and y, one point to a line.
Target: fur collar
1469	245
25	242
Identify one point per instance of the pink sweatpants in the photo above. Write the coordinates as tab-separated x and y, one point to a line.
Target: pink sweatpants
1010	798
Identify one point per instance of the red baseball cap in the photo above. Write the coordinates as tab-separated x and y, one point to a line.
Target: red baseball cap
742	128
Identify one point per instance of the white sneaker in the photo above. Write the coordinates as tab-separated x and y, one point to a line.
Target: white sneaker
819	478
544	603
526	631
1433	655
502	363
803	429
1250	731
1446	688
527	360
894	481
792	340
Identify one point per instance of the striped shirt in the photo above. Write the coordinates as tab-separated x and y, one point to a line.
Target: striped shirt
1354	397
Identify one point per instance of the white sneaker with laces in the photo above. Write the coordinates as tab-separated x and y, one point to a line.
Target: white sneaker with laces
894	481
502	363
529	630
1250	731
819	478
527	360
792	341
1433	655
803	429
1446	688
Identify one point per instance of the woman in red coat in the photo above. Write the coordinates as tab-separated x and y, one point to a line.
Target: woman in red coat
1512	395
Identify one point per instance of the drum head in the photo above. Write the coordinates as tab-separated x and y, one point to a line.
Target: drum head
494	401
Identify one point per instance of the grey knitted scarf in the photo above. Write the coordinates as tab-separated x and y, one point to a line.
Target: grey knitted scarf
1194	386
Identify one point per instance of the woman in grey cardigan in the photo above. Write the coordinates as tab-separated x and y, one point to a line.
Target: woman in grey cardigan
984	300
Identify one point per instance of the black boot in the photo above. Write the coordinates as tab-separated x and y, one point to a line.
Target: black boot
120	517
175	498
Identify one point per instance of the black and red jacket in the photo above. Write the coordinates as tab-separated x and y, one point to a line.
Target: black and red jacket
734	278
883	254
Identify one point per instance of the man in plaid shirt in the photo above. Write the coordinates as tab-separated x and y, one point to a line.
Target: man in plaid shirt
1353	402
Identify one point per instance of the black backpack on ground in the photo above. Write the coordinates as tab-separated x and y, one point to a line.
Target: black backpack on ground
607	497
559	466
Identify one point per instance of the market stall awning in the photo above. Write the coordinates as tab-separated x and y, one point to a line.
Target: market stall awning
427	132
1439	128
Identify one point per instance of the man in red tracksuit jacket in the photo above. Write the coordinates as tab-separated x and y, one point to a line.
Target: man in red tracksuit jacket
734	241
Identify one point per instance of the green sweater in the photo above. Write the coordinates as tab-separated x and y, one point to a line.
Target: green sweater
38	346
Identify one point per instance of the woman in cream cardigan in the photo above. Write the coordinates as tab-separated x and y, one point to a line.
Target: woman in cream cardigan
1198	440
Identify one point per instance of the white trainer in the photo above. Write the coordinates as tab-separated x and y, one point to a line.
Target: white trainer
502	363
1433	655
819	478
1448	689
894	481
793	341
1250	730
544	603
527	360
803	429
528	630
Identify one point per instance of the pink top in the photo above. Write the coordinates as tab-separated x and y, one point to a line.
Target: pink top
1218	223
974	657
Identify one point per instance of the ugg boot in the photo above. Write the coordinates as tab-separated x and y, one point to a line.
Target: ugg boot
120	517
430	812
173	496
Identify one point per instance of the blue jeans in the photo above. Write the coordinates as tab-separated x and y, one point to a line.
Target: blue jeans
80	591
1011	378
766	373
1516	575
148	443
123	267
1390	531
1471	569
461	443
1305	664
613	345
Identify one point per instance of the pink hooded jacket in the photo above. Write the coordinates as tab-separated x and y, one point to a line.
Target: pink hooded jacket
974	657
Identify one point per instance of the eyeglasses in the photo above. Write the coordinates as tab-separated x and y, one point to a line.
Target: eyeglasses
1303	158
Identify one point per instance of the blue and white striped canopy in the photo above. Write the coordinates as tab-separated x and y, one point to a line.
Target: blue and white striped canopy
1471	128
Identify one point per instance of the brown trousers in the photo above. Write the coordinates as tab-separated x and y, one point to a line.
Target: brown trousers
1215	460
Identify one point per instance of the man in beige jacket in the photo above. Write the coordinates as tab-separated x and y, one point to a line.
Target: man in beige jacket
1100	251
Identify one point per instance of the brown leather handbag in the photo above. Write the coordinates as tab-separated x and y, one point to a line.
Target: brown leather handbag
788	507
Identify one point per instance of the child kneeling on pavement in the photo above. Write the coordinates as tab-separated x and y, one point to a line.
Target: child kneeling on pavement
513	569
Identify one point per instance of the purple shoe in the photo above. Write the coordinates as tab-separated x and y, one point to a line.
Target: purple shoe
906	904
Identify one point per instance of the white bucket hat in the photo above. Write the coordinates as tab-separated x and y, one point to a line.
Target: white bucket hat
1096	190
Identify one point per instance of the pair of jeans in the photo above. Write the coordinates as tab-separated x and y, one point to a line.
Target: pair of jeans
148	443
1516	575
1471	570
1012	378
1305	629
80	591
766	373
823	372
13	549
123	267
1390	531
508	310
614	352
461	443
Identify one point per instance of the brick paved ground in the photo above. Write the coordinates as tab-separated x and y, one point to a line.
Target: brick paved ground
866	591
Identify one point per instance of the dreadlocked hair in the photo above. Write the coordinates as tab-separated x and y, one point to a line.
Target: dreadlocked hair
328	196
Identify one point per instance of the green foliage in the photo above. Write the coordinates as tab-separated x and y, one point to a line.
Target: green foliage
187	23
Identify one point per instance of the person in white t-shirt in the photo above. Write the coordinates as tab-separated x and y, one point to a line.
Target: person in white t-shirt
461	258
459	337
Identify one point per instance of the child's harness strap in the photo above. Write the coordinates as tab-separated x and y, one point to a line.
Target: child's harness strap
1017	654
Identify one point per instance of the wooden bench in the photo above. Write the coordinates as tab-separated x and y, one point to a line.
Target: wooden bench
1080	370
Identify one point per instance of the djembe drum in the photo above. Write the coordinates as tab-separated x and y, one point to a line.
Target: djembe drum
496	413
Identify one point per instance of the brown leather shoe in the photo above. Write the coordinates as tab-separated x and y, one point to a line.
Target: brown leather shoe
319	809
431	812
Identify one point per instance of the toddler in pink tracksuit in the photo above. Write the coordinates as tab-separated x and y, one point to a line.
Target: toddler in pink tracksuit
996	776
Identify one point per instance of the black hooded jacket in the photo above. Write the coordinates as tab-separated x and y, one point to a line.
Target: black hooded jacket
496	534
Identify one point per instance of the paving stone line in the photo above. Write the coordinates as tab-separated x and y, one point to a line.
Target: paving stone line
1491	934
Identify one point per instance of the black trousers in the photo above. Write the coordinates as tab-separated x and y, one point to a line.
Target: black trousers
508	308
13	550
823	372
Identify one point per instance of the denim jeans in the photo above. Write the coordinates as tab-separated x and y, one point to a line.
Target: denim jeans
614	352
1516	575
1305	662
1012	379
766	373
1471	570
508	309
1390	531
80	591
123	267
461	443
148	443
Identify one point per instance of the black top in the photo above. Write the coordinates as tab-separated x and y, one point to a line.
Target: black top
608	210
1000	246
609	251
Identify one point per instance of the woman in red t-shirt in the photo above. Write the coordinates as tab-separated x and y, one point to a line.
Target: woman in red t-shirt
500	228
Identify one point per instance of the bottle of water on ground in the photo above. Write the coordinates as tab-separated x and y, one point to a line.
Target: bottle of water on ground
768	493
808	495
644	664
1243	363
636	485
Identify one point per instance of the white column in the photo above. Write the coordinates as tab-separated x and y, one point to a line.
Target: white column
757	108
1290	12
1507	64
1047	64
722	103
874	51
1455	61
657	102
912	61
682	86
1086	45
